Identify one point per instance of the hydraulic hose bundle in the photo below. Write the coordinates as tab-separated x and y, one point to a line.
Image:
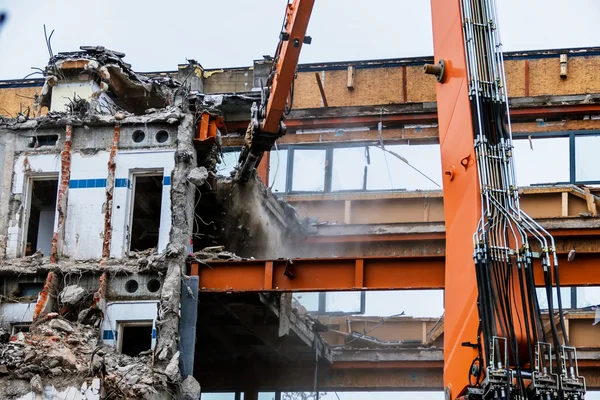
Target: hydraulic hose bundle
519	357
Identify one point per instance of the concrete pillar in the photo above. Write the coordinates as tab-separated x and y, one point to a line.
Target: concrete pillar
6	188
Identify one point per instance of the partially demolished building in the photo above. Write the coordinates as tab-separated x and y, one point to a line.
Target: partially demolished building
132	267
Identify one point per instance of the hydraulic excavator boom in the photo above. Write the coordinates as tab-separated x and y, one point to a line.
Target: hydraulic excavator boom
266	121
494	331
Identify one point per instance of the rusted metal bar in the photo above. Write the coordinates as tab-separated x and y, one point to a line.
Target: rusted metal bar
61	206
110	187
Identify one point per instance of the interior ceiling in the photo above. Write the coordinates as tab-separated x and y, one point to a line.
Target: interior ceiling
239	327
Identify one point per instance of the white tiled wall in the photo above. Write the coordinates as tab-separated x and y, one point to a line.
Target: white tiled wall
84	225
127	311
38	165
15	313
127	164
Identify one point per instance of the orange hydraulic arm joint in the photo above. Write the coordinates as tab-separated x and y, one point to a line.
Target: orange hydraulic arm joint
266	124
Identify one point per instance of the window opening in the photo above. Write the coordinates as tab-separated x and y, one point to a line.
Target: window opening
42	209
542	161
309	170
30	289
16	328
587	162
147	201
135	338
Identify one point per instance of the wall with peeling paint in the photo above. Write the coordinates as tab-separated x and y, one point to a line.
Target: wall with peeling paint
127	164
16	313
127	311
26	167
84	225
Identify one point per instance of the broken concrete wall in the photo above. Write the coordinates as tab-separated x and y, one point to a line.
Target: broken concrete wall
182	200
128	164
7	148
84	224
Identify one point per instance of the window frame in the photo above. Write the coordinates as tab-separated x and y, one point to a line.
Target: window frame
330	147
121	325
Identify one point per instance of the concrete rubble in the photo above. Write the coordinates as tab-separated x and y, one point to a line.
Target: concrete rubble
64	351
66	354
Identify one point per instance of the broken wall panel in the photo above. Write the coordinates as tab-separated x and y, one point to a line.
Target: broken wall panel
26	168
155	135
119	314
16	315
84	225
128	162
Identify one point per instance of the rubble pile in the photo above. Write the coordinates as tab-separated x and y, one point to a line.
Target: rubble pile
214	253
64	353
141	261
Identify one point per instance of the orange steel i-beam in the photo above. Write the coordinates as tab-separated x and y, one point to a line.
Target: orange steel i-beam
367	273
298	15
462	203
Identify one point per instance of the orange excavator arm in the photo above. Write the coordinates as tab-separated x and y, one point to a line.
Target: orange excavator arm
495	344
266	124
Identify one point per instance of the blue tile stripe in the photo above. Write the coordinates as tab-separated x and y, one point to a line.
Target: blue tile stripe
101	183
122	182
87	183
153	333
108	335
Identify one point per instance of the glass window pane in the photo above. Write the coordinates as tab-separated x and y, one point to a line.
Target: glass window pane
587	162
228	162
348	171
342	302
401	170
547	162
310	301
218	396
413	303
565	293
266	396
278	170
309	170
588	296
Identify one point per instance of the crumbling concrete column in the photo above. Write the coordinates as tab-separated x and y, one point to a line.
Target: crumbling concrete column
182	202
6	189
47	298
110	187
61	204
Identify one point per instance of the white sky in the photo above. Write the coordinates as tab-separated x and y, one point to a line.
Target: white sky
158	35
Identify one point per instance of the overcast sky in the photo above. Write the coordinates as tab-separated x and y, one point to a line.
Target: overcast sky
158	35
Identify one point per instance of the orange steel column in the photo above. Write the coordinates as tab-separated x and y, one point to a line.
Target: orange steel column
461	195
